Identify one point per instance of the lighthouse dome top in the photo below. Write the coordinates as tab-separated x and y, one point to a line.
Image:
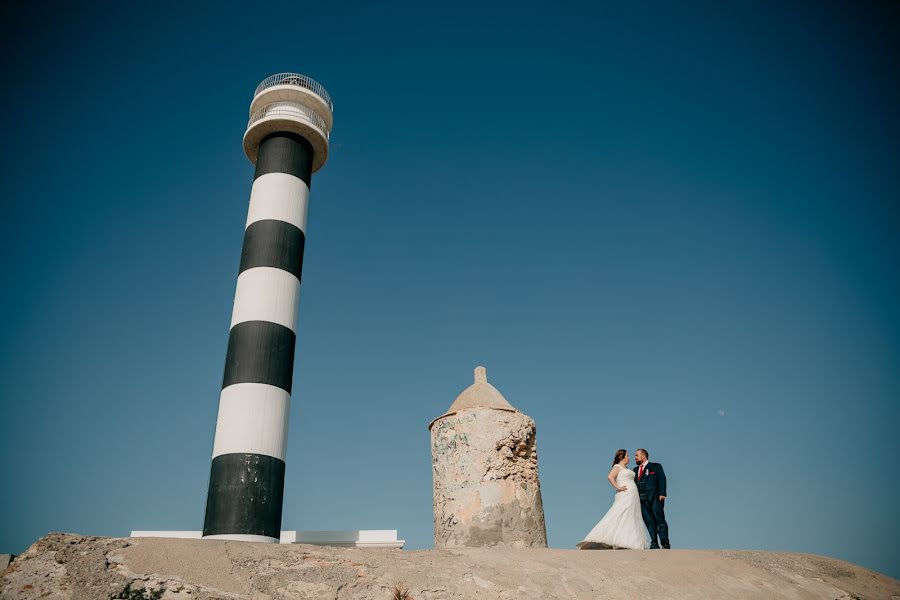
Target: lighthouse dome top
480	394
292	103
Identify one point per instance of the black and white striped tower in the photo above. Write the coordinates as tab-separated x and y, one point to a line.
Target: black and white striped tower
287	140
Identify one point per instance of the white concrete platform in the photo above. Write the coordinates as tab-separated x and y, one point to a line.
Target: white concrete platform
355	538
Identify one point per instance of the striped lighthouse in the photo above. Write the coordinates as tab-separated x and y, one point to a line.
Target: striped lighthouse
287	140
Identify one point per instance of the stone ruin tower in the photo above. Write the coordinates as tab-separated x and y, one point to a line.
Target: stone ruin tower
484	465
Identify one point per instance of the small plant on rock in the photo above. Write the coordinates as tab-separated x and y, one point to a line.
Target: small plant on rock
400	592
139	594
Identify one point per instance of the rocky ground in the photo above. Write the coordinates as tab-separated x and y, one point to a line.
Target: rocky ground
80	567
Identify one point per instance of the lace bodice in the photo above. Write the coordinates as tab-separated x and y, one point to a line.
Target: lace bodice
624	475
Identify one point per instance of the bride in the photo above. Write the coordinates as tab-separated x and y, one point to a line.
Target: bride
622	526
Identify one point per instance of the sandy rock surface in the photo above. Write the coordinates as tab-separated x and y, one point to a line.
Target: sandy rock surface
64	566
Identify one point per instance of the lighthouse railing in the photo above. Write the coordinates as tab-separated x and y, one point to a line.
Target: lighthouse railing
298	80
291	110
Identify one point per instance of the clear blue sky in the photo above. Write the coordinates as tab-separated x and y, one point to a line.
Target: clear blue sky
635	214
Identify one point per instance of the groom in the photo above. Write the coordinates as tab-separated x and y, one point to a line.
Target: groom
651	483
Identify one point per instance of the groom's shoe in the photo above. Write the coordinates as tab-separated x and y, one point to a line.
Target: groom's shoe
666	547
654	547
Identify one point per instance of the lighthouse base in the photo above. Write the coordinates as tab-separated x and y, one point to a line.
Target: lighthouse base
356	538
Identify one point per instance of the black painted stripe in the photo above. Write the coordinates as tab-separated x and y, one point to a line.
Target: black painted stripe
245	495
260	352
285	152
273	243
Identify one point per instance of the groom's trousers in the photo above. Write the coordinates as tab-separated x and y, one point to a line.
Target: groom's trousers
654	514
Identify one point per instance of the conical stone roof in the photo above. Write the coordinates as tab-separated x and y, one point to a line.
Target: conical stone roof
480	394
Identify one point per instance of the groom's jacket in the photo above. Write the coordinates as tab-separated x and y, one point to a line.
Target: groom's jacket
652	484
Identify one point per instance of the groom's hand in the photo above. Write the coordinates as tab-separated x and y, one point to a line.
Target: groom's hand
661	498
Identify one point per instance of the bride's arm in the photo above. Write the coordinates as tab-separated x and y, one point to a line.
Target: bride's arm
612	479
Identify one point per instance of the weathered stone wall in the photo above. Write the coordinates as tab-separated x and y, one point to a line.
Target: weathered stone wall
486	488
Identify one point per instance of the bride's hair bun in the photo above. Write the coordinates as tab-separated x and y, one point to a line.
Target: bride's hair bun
620	454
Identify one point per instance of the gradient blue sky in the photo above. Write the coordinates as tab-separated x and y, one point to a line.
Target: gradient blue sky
635	214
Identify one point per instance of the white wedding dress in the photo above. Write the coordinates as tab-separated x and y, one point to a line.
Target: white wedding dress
622	526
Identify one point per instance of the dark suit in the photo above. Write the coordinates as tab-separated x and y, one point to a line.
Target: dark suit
651	485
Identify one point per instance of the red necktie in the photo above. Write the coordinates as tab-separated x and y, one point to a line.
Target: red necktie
641	472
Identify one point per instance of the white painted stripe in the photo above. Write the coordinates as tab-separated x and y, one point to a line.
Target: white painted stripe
242	537
193	535
266	294
253	419
279	196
